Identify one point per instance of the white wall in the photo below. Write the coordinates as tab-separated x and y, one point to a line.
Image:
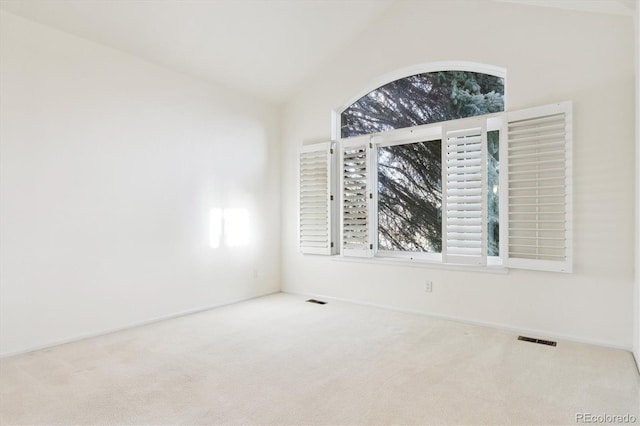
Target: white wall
636	345
109	166
550	55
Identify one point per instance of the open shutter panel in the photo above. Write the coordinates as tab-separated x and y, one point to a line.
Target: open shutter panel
464	218
356	198
315	218
538	154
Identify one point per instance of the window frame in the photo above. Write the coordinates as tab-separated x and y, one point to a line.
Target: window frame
425	133
499	121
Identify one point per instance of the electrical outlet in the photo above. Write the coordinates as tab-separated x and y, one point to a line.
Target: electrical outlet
428	286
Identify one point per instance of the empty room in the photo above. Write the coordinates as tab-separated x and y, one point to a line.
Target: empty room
319	212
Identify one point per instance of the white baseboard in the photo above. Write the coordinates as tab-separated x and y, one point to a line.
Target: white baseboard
83	336
541	334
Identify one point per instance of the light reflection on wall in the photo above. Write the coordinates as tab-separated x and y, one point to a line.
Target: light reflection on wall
229	225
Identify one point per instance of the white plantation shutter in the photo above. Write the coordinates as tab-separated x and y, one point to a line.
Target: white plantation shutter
464	196
538	206
356	206
315	212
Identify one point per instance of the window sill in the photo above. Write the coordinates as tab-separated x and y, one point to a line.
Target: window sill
421	263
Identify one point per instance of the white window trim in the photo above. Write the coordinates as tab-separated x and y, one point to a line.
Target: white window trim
494	264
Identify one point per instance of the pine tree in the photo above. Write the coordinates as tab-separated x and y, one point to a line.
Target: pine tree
409	176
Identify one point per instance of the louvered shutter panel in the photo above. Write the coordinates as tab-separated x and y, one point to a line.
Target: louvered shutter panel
315	214
356	198
539	200
464	217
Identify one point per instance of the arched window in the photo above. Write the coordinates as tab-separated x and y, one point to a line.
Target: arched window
424	98
427	165
409	175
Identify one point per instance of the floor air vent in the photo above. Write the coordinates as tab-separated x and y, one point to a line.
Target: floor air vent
319	302
540	341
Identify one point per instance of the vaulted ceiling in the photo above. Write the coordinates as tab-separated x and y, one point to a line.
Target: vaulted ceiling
263	47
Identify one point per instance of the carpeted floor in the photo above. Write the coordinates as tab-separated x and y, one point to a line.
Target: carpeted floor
279	360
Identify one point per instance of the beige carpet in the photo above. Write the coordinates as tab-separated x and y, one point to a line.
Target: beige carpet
279	360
